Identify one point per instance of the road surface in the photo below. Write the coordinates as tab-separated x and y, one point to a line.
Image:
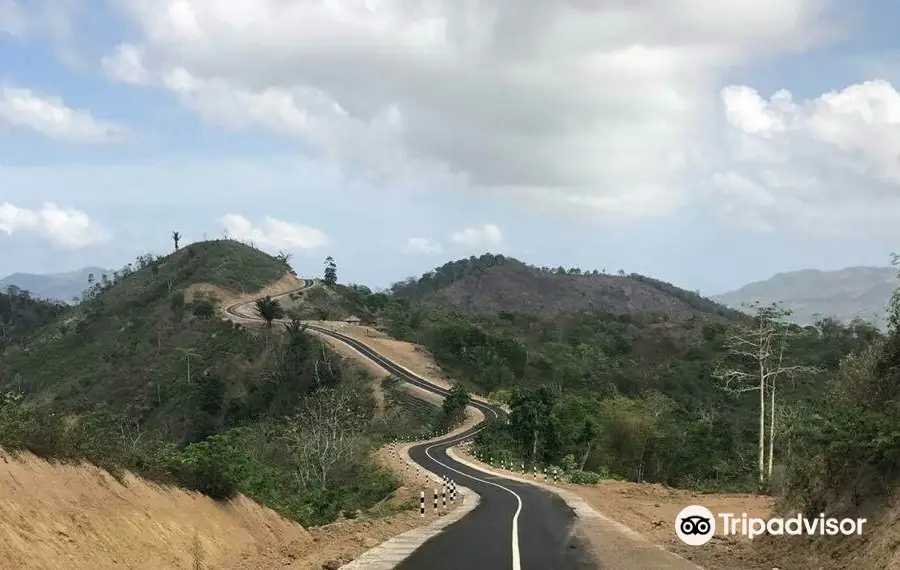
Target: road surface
516	526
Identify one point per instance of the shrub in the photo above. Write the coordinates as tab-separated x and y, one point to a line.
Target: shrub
205	467
203	309
584	477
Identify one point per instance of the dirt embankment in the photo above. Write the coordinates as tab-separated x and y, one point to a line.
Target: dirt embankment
227	297
78	516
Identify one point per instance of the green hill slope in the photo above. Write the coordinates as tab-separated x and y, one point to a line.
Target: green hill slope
22	315
133	377
128	345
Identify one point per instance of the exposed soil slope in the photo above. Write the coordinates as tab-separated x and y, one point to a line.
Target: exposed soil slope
78	516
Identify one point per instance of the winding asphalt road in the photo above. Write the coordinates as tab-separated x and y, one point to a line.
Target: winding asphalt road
516	526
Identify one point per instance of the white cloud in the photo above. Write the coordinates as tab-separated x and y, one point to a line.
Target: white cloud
26	19
68	228
826	165
124	65
489	234
49	116
597	106
13	20
274	234
421	246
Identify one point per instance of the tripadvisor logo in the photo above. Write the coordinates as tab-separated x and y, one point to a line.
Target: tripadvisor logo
695	525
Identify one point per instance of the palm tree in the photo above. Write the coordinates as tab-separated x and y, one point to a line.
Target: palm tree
269	309
176	237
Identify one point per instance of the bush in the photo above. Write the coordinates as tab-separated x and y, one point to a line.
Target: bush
203	309
205	467
24	428
584	477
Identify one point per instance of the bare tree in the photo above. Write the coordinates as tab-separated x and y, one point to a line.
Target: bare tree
131	434
758	350
188	353
325	433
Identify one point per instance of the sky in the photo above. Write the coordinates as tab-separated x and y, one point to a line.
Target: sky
708	144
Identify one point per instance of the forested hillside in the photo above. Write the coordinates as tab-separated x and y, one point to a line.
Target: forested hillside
139	377
22	315
494	283
613	386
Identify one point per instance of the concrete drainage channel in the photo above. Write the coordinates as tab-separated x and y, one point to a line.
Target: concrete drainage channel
392	552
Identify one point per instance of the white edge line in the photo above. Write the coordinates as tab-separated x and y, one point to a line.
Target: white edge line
516	560
580	507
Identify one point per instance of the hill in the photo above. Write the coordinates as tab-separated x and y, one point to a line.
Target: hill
136	325
845	294
494	283
142	375
57	286
22	315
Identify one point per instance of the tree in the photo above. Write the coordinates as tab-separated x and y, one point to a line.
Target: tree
760	347
454	406
285	258
176	237
188	353
325	434
531	420
330	272
269	309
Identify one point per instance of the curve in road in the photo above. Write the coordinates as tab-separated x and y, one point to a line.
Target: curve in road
516	526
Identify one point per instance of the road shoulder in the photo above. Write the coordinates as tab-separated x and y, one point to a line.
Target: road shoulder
609	541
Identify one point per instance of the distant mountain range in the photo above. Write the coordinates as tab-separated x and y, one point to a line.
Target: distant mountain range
845	294
58	286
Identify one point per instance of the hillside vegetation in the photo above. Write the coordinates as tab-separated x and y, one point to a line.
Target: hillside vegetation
134	377
617	378
21	315
495	283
